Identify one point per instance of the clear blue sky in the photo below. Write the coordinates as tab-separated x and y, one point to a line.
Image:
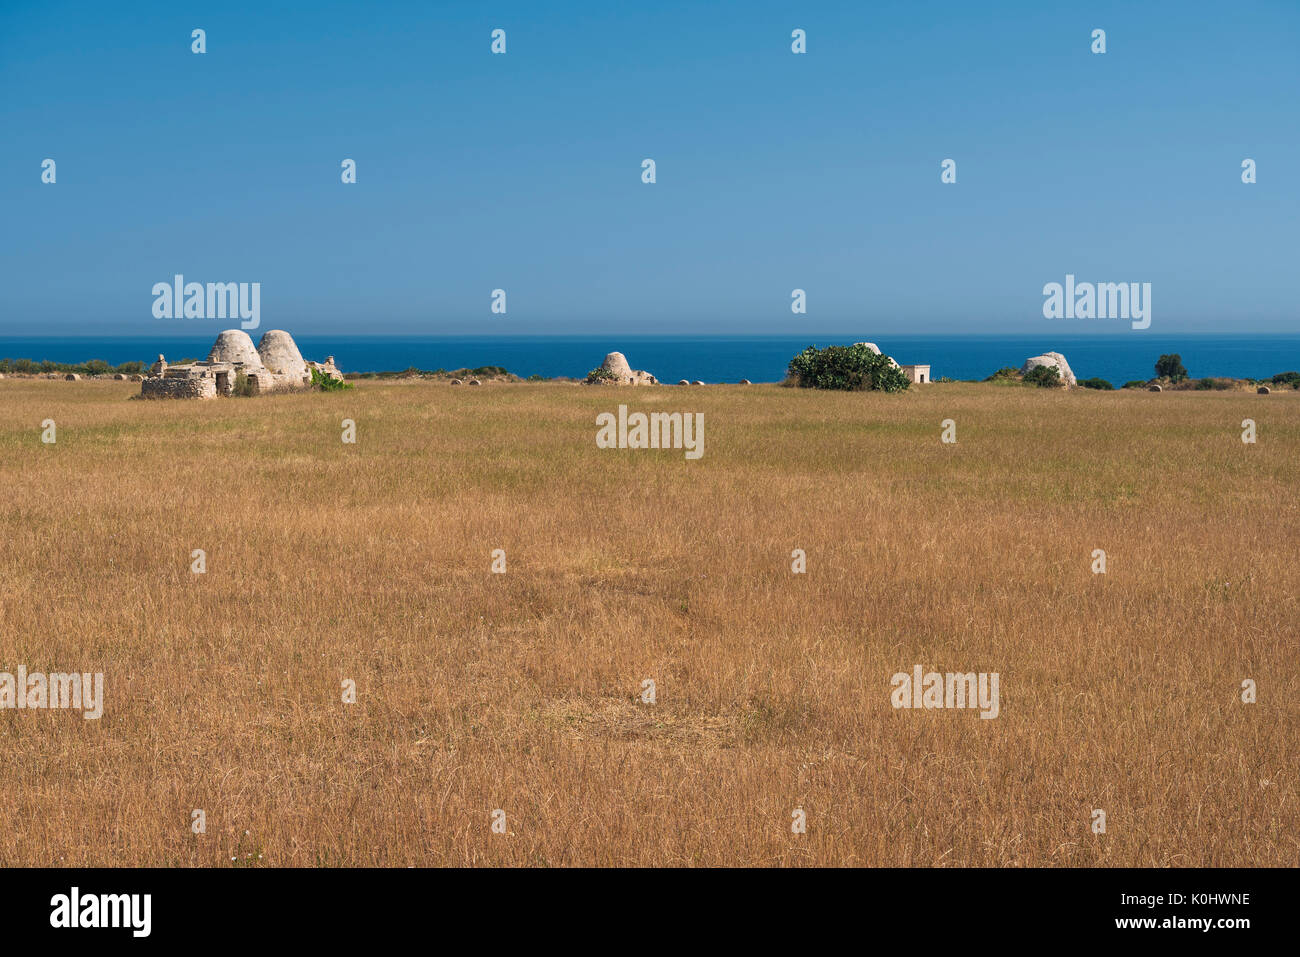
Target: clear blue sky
523	171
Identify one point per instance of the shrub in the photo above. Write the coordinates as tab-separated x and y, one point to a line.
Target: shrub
848	368
1045	377
1005	374
90	367
242	387
1205	385
1171	367
536	378
1134	384
601	375
1287	378
1097	383
327	383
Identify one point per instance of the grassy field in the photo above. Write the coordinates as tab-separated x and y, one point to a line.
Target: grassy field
519	691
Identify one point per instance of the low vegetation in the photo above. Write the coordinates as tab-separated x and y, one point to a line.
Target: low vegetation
1097	383
846	368
327	383
1045	377
91	367
482	372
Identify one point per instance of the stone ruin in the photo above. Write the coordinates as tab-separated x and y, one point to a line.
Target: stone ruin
623	374
275	365
1051	359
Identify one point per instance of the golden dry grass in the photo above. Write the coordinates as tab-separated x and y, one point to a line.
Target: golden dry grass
480	691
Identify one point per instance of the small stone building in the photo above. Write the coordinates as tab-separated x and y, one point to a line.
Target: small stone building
275	365
620	373
1054	359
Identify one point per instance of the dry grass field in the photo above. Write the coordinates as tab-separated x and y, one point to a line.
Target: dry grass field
519	691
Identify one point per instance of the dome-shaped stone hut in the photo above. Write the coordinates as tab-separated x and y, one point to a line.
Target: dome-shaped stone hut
621	373
279	353
235	347
1054	359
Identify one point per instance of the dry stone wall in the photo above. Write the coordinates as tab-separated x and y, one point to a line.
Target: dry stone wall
179	387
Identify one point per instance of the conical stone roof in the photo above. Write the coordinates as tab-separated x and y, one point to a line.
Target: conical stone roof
233	345
616	362
280	354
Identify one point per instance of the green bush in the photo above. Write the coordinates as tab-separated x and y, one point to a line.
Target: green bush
90	367
1134	384
243	387
1096	383
601	375
1005	374
1045	377
1219	385
1171	367
327	383
848	368
1287	378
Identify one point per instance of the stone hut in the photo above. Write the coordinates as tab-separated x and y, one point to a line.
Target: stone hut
279	354
235	348
623	373
1051	359
275	365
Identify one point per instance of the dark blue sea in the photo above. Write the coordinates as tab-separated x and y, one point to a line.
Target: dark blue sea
716	359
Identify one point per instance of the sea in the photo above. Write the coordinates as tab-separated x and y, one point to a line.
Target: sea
1118	359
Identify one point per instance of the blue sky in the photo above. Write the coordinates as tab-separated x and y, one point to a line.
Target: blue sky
775	171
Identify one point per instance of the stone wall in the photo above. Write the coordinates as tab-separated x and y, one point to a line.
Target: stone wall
186	387
261	382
